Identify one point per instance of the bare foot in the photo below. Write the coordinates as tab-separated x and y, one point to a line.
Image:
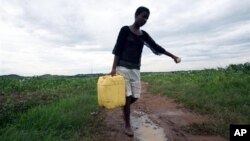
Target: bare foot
129	132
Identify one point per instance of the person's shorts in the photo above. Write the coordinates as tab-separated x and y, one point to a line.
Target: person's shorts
133	82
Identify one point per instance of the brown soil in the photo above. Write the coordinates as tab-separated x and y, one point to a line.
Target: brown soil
164	112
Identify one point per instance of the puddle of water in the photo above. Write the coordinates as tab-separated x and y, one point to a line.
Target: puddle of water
173	113
145	129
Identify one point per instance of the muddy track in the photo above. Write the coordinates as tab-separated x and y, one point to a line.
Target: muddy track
153	117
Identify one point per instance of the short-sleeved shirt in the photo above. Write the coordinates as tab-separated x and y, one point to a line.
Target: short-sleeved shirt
129	47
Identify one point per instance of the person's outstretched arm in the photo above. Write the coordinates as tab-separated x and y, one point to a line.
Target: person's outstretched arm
158	50
176	59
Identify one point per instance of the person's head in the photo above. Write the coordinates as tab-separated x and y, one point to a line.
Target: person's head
141	15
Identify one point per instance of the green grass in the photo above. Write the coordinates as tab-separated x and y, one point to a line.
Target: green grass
52	109
58	108
223	93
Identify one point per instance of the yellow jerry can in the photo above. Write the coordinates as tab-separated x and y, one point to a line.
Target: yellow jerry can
111	91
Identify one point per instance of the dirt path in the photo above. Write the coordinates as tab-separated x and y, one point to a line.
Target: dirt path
156	118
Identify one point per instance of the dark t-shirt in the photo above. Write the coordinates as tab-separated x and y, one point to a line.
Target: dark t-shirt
129	47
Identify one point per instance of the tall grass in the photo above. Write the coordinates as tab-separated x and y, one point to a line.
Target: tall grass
222	93
63	115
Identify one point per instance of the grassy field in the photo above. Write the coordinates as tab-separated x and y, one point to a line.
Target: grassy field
222	93
47	108
59	108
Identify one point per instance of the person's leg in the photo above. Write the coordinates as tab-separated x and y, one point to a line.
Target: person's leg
133	100
129	100
126	112
135	84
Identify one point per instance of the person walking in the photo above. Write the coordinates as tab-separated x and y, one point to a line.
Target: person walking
127	59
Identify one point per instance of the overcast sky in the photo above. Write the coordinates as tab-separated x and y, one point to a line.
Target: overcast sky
76	37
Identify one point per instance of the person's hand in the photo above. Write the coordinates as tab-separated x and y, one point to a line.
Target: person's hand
177	59
113	72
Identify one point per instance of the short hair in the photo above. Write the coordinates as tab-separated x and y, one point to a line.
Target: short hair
141	9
